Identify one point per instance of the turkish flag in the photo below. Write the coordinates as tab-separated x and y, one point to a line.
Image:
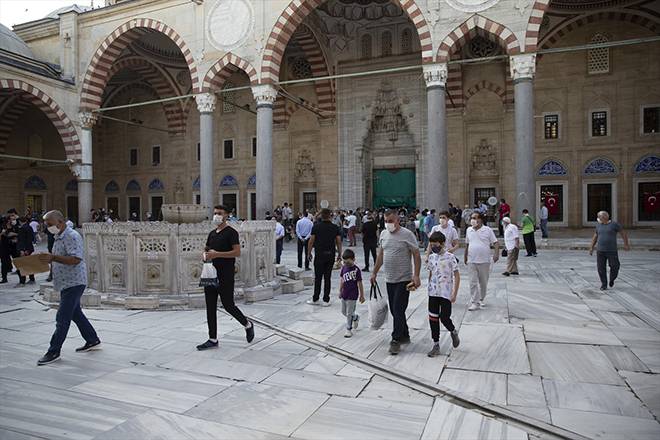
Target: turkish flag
651	202
552	202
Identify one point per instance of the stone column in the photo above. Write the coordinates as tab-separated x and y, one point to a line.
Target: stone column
265	96
523	68
436	170
83	170
206	106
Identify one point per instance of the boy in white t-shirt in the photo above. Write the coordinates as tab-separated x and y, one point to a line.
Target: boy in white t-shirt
444	280
446	226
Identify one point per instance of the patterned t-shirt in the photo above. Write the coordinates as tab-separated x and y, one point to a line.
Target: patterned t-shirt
350	275
442	267
69	243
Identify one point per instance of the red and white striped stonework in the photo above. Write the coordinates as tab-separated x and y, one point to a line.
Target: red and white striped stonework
98	72
477	25
534	24
485	85
225	67
455	88
307	41
297	10
14	107
52	110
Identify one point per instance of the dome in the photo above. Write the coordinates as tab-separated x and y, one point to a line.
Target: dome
11	42
79	9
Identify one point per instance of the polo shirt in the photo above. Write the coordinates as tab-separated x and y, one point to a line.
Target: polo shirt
479	241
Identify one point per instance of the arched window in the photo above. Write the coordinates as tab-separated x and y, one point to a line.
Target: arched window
133	186
229	180
406	41
598	60
71	185
156	185
228	98
365	46
386	43
35	183
111	187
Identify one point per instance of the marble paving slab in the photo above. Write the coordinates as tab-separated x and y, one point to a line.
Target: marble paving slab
221	368
326	365
648	353
498	348
541	413
261	407
624	359
525	390
6	434
380	388
621	319
323	383
490	387
572	363
522	306
353	371
646	387
605	426
574	332
377	419
634	335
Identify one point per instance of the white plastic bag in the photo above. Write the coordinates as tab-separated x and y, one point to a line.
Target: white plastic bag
377	308
209	277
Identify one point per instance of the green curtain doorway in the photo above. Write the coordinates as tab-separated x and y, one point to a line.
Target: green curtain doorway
394	188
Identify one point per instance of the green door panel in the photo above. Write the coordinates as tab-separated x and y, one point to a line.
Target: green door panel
394	188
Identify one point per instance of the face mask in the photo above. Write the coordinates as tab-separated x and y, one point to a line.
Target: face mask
436	249
217	219
599	220
53	229
13	222
443	222
474	222
526	214
390	227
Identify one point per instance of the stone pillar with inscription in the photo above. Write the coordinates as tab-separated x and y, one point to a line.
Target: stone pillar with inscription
206	106
436	170
265	96
83	170
523	68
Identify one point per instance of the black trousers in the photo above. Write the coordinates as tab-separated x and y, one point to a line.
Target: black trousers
530	243
226	293
369	248
397	297
439	311
22	278
322	272
6	265
279	244
302	248
611	257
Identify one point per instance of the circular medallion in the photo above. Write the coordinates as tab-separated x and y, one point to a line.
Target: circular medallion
471	5
229	23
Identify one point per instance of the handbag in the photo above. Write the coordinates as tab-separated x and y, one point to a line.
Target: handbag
209	277
377	308
505	252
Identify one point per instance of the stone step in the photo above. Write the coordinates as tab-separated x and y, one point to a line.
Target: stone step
291	286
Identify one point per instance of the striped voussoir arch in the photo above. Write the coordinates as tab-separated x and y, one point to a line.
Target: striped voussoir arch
52	110
534	24
158	79
475	25
553	37
485	85
307	41
293	15
225	67
14	107
98	72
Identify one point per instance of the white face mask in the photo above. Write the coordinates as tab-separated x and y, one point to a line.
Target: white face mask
390	227
474	222
443	222
599	220
13	222
218	219
53	229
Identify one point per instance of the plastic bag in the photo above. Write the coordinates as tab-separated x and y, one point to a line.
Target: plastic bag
377	308
209	277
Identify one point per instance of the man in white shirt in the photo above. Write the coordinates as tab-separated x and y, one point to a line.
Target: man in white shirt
303	232
279	240
512	245
478	257
544	220
446	226
351	220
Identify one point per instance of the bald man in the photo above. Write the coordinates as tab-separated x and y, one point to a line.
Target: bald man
606	248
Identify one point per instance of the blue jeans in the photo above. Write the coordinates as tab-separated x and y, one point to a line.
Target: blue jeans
70	311
544	228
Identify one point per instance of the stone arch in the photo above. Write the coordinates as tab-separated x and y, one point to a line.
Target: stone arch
474	25
52	110
229	64
551	167
97	74
600	165
534	24
649	163
291	17
229	181
486	85
36	183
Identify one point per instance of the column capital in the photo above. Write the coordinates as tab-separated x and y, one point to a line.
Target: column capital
435	74
264	94
523	66
87	119
206	102
82	172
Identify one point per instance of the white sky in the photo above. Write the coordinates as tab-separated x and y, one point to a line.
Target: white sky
19	11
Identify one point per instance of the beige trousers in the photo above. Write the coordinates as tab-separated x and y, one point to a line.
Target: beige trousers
478	273
512	260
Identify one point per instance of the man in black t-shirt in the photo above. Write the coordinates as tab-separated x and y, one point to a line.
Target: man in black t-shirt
325	239
222	247
369	239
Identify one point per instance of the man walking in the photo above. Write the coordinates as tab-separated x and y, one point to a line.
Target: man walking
279	240
325	240
351	220
303	231
25	245
512	246
527	224
222	247
606	248
543	219
369	239
398	246
69	278
478	257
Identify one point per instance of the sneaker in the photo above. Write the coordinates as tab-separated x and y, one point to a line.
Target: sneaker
3	281
603	287
356	321
89	346
395	347
454	339
404	340
365	269
435	351
311	302
348	334
482	304
48	358
325	303
506	274
515	273
473	307
612	283
206	345
249	332
49	279
31	282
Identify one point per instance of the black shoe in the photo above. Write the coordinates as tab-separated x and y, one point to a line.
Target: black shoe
529	255
249	332
4	281
454	338
365	269
89	346
48	358
506	274
404	340
395	347
515	273
206	345
603	287
49	279
612	283
31	282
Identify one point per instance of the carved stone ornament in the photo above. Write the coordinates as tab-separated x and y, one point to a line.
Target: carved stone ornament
264	94
523	66
229	23
205	102
87	119
387	116
305	167
435	74
471	5
484	159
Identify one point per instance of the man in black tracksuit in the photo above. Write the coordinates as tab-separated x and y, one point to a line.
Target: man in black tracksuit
369	239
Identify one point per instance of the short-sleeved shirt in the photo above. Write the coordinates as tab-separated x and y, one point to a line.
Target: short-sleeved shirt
449	233
69	243
442	267
607	236
279	231
350	275
223	241
527	224
510	235
351	219
398	249
479	241
370	232
325	237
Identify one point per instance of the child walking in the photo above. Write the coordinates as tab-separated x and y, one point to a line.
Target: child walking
350	287
444	280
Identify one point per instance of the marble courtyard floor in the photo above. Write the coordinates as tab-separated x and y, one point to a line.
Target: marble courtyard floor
549	356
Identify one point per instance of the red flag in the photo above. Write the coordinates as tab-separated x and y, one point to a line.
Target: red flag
552	202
